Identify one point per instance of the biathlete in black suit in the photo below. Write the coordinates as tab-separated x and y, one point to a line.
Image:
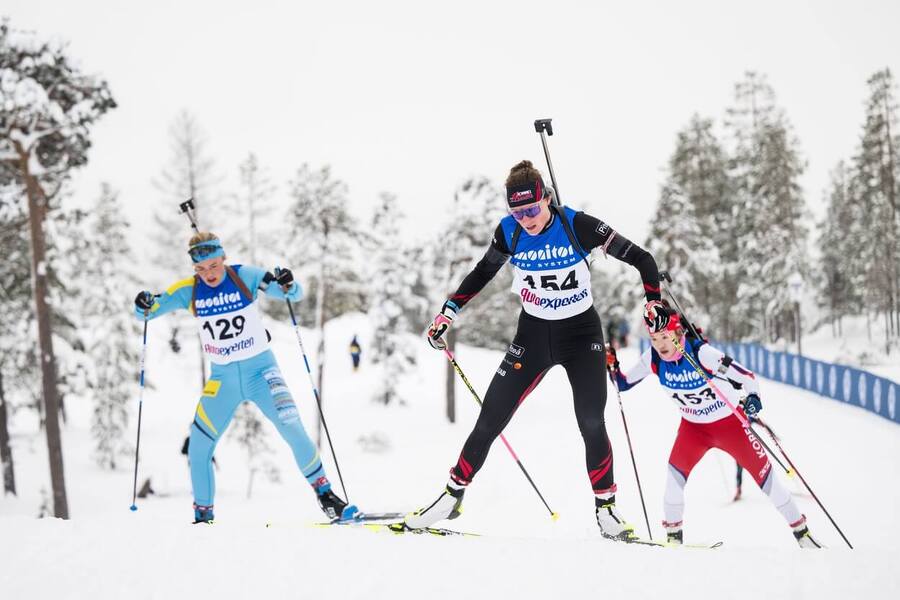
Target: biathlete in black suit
548	247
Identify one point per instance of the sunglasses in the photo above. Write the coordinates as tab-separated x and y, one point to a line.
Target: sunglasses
530	212
203	251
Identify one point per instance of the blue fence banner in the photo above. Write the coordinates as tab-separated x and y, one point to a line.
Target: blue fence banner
838	382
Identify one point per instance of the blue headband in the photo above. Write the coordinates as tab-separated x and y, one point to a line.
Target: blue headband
205	250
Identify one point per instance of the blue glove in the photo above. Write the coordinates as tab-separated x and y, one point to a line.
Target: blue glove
751	405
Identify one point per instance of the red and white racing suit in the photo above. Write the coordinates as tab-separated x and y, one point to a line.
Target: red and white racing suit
708	422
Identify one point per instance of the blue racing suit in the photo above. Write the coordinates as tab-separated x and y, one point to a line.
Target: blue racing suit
243	368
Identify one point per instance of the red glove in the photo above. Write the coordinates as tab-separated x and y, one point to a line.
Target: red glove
612	361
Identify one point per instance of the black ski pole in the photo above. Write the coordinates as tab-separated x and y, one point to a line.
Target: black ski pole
465	379
630	450
544	127
806	485
665	276
318	399
137	446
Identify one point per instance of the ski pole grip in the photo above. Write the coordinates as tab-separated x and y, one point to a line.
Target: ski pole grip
543	125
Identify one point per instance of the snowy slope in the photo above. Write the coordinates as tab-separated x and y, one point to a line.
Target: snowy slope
849	456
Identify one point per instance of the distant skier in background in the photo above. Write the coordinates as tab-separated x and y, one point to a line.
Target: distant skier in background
223	298
558	325
623	332
355	352
610	331
706	421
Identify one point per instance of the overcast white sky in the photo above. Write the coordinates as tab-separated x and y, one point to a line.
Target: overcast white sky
412	97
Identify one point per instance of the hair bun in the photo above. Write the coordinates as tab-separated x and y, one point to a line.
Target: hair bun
524	165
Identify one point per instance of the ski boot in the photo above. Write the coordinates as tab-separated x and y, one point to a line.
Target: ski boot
801	534
612	524
674	534
447	506
203	514
331	504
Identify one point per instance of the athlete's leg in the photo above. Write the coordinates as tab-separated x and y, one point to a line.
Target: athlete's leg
220	398
526	360
267	389
523	367
691	443
586	369
746	449
577	344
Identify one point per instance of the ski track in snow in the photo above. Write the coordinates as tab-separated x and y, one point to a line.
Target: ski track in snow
849	456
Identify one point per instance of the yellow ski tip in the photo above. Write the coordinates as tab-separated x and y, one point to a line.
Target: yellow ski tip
554	516
791	473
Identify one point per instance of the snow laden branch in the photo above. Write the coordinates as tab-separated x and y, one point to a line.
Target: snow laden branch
46	105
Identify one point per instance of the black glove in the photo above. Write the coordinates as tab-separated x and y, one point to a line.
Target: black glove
284	277
751	405
144	300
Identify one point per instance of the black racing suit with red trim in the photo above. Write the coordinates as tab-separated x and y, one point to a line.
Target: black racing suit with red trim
575	342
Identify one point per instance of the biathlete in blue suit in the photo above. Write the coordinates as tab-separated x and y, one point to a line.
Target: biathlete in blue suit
223	298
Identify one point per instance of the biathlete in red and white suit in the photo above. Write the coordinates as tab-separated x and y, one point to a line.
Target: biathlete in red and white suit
706	420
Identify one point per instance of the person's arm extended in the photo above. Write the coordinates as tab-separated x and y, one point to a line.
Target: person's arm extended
178	295
493	260
594	233
626	381
259	279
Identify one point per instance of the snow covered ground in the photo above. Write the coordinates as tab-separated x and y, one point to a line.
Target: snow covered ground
396	458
